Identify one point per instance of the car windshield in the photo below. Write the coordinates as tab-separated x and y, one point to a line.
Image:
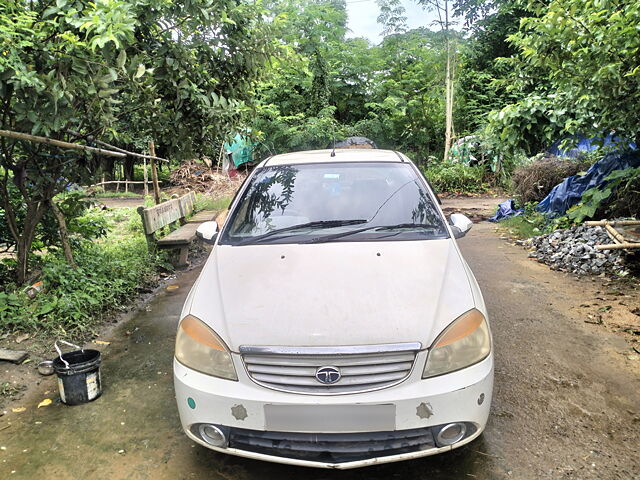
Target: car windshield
314	203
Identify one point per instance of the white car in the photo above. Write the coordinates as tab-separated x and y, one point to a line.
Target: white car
335	323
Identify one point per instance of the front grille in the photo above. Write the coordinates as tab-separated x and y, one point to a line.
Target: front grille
361	368
332	447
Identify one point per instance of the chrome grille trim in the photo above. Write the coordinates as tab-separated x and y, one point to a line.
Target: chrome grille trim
341	350
363	368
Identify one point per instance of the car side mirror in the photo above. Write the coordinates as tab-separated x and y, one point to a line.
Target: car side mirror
460	225
207	232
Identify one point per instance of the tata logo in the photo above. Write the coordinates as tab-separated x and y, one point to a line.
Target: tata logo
328	375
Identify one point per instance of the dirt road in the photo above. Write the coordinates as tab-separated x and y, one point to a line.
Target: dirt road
565	402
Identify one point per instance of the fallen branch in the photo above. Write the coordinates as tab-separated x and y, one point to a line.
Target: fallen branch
60	143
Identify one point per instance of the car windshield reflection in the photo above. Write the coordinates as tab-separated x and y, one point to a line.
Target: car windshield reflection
334	202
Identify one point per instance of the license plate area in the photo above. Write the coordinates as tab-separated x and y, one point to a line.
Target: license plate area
330	418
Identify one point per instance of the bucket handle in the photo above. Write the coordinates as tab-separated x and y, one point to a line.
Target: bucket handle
60	351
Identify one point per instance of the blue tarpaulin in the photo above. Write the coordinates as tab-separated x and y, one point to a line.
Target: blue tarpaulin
569	192
581	145
506	209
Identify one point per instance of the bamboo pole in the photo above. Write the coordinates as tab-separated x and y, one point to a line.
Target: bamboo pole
602	223
614	234
113	147
59	143
154	173
108	182
618	246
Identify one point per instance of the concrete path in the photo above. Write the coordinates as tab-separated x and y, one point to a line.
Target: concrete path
565	401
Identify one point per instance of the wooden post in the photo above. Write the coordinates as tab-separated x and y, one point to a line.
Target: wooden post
146	178
151	243
154	173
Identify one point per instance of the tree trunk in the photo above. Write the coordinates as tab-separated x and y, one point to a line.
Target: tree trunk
128	168
64	234
448	90
24	242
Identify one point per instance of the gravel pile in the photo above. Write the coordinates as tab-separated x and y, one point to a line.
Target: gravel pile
573	250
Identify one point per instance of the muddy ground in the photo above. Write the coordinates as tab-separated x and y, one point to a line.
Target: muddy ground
565	401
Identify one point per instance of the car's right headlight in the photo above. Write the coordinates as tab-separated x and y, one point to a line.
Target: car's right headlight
198	347
465	342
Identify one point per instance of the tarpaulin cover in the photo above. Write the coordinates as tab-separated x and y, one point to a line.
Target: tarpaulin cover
587	145
241	149
569	192
506	209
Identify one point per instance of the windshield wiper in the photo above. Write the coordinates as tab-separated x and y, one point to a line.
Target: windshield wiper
407	225
309	225
328	238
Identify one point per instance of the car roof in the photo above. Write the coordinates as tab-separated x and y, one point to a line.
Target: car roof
341	155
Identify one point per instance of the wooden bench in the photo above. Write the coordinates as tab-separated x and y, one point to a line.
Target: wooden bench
174	213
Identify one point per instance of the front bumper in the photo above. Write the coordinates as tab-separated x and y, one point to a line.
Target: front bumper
243	407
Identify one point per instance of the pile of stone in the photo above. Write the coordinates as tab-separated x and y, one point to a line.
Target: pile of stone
573	250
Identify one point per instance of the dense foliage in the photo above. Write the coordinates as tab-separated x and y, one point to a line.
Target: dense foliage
188	73
179	72
578	71
324	86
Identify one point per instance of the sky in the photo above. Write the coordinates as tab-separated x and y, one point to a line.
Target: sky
363	16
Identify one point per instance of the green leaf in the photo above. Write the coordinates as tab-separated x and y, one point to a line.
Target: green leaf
140	71
122	58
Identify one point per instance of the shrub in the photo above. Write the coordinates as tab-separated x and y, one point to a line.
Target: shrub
620	196
533	182
108	274
456	178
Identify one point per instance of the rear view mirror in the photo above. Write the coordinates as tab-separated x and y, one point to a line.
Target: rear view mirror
460	225
207	232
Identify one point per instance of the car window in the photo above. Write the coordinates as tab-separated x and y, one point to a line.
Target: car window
334	202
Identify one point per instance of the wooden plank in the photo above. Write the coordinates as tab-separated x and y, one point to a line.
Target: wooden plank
203	216
185	234
15	356
161	215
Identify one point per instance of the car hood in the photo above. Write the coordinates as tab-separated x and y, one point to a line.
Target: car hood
331	294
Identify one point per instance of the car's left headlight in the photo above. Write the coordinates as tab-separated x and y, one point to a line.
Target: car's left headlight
200	348
465	342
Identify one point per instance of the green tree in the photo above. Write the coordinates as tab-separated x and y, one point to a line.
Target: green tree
179	71
587	54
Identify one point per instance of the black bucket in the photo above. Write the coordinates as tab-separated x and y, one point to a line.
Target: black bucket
79	381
